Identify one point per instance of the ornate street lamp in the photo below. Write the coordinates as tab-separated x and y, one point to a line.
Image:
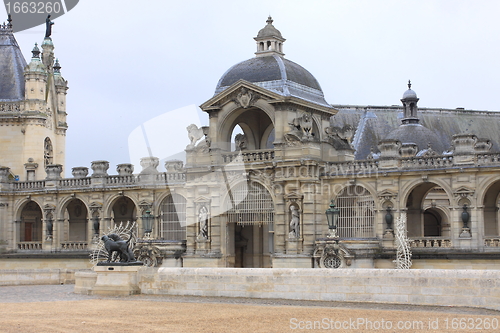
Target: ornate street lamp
147	223
332	216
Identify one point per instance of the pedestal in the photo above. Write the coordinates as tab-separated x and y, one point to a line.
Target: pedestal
116	279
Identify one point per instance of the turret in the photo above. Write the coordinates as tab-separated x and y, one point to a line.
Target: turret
410	101
269	40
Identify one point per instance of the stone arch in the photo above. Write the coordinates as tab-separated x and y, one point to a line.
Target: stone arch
425	194
172	212
30	216
436	223
120	209
407	189
75	213
357	210
253	121
490	200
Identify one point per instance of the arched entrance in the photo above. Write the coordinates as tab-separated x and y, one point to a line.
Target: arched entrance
77	221
255	127
491	204
424	218
250	218
433	223
30	228
124	211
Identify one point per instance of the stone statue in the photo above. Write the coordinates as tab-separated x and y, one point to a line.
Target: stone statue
240	141
294	222
114	243
194	134
203	220
48	27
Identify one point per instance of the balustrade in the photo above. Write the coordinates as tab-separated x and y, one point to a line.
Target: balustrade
29	246
74	246
72	182
431	242
492	241
249	156
128	179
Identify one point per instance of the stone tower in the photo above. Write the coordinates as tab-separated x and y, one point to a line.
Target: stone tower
32	108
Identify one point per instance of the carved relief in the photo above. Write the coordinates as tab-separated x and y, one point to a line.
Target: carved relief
244	97
300	130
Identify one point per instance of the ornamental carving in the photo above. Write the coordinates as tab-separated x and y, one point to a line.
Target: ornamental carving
332	254
244	97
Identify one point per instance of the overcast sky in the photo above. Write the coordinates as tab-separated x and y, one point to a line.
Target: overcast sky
128	62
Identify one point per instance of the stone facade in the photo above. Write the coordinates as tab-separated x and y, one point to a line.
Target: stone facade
258	198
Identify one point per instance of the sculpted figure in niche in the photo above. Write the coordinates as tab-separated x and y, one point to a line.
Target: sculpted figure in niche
294	222
203	220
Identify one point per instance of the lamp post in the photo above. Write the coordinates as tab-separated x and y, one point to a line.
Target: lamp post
147	223
332	216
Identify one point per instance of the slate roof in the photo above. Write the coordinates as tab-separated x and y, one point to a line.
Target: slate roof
12	65
375	123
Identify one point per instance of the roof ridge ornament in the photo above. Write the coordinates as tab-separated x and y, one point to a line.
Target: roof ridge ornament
7	27
269	20
409	84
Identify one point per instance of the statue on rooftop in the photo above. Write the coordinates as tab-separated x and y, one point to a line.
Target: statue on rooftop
48	27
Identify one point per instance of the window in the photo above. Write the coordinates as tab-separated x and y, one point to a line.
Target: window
173	218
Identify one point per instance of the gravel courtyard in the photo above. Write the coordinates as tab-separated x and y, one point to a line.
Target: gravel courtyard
55	308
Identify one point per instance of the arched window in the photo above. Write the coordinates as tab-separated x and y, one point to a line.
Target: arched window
48	152
357	213
173	218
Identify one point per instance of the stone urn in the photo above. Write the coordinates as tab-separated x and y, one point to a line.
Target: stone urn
53	171
100	169
80	172
125	169
149	165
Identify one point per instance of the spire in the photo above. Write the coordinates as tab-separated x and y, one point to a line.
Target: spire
269	40
57	67
36	51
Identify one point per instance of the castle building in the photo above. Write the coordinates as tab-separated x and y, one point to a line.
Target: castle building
258	180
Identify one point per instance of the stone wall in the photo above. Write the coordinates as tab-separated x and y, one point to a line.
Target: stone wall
474	288
15	277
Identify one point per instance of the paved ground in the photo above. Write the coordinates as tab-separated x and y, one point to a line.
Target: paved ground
55	308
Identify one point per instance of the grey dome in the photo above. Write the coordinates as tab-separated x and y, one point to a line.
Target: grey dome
409	94
277	74
419	135
12	65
